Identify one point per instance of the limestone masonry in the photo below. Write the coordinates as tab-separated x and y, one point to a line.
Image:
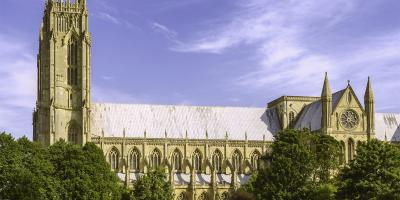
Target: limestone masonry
206	151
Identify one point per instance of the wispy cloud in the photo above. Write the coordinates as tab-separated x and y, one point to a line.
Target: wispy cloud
110	18
18	72
293	45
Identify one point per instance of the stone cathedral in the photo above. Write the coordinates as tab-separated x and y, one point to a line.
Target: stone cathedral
206	151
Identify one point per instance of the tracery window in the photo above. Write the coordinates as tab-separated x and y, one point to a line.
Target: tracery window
73	134
197	161
342	157
217	161
255	160
113	156
134	160
155	159
72	60
224	196
236	160
177	160
350	149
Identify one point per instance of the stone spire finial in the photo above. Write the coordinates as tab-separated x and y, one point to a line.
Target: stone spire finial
326	90
369	93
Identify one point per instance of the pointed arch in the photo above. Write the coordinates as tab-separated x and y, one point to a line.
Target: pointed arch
197	160
236	160
217	161
177	160
134	160
155	158
113	158
73	132
255	159
342	156
350	149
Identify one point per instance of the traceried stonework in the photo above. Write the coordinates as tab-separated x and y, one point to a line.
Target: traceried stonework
349	119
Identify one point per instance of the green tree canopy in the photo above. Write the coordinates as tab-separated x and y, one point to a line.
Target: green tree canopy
152	186
299	162
373	174
83	172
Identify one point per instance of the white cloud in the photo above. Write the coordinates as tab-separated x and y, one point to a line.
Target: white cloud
284	35
17	86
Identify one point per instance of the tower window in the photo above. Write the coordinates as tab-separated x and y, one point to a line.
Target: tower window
73	134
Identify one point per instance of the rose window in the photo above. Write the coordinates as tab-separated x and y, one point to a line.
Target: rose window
349	119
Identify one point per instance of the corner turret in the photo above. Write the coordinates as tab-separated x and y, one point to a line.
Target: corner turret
369	108
326	99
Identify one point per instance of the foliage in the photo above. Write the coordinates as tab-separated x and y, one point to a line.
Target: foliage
299	162
25	172
152	186
241	194
373	174
63	171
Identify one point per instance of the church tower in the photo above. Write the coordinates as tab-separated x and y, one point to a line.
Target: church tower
369	108
326	100
63	66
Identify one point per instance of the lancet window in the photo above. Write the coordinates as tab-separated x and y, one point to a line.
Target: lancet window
155	159
197	161
236	160
177	160
113	159
217	161
134	160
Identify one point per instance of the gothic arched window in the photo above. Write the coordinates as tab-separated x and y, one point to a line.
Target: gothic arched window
155	159
134	160
255	160
342	157
217	161
72	59
236	160
113	157
197	161
73	133
177	160
350	150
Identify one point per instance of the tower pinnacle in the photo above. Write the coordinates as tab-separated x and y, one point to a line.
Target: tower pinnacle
326	90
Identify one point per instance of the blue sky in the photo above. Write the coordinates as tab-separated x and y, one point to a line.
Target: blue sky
211	52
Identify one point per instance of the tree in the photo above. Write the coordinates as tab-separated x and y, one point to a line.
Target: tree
83	172
241	194
25	172
373	174
152	186
300	162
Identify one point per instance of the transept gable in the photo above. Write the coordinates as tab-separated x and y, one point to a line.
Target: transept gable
346	98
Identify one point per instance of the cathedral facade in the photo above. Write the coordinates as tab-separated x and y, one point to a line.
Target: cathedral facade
206	151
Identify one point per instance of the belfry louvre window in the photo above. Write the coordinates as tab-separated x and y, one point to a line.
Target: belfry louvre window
72	74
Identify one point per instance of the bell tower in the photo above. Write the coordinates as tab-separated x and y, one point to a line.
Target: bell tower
63	70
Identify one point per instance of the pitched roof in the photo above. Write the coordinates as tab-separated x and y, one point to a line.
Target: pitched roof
387	126
172	121
310	116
